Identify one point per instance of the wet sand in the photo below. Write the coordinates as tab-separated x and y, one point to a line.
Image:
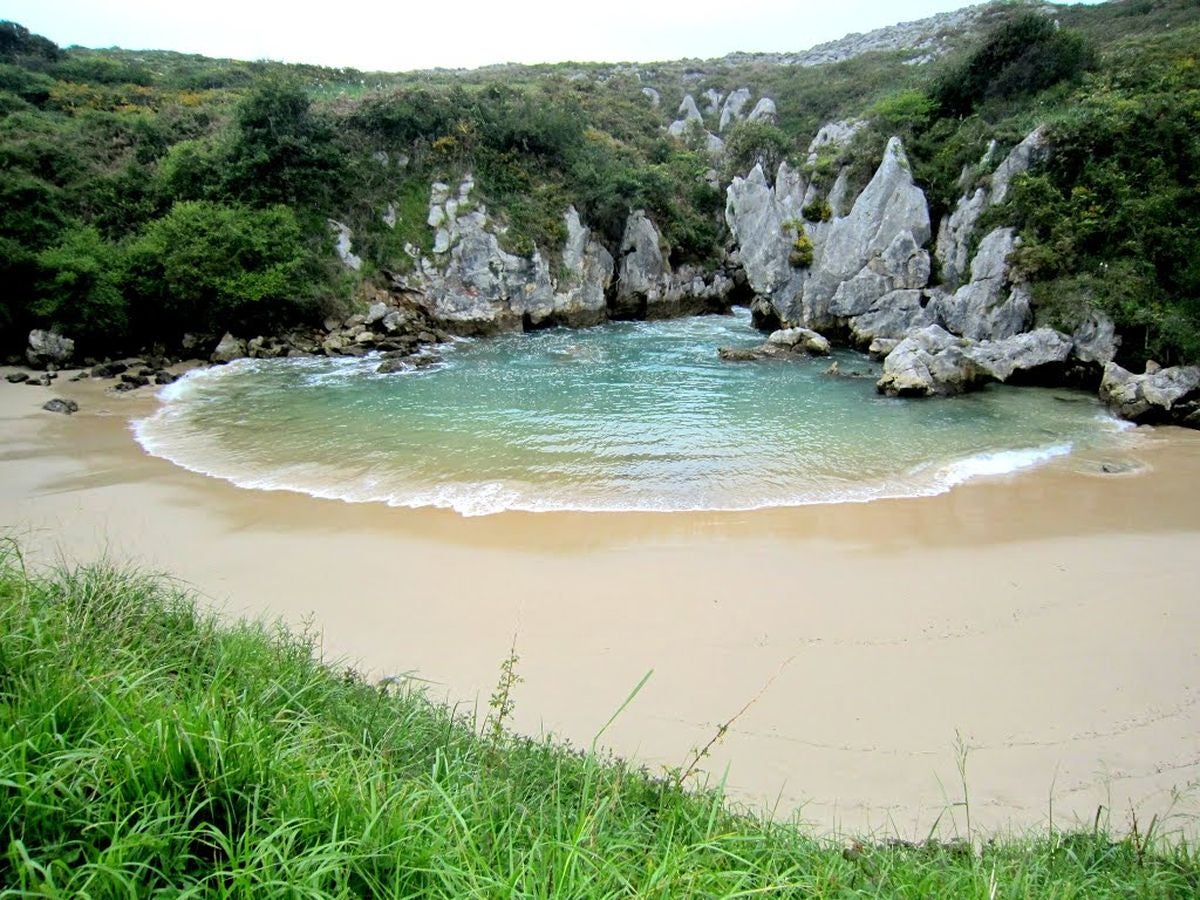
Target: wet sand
1045	622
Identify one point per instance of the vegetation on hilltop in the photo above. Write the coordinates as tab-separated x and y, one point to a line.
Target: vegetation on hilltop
102	151
147	749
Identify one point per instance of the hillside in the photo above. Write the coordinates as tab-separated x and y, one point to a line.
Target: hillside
151	194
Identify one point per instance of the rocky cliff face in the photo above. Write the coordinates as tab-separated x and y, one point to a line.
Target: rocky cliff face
471	285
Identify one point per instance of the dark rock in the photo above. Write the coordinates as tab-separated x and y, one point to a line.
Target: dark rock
16	377
109	370
165	378
59	405
39	381
134	380
123	386
146	371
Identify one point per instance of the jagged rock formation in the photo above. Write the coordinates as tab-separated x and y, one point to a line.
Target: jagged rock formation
688	113
926	39
987	307
1160	396
764	111
833	136
957	229
933	362
732	110
646	286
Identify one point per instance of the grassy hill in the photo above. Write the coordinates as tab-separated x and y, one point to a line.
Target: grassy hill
113	159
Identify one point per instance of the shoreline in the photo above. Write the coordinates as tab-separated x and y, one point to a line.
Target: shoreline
1044	617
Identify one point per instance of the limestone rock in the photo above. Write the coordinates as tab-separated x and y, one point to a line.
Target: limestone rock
833	136
1096	339
927	363
228	349
588	272
731	111
788	342
342	245
653	95
48	348
957	229
890	318
764	111
688	113
713	106
1032	150
986	308
883	232
1169	395
1025	357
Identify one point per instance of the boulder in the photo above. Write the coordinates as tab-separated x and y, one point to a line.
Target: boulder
228	349
60	405
1165	396
1032	357
652	95
930	362
16	377
804	339
48	348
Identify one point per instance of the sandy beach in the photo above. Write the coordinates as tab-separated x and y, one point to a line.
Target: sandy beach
1045	622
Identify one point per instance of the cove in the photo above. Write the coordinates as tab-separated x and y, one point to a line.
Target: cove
626	416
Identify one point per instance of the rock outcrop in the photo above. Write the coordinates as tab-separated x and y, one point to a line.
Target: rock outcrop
933	362
988	307
342	245
957	229
731	111
833	136
1162	396
872	251
784	343
688	113
648	288
48	348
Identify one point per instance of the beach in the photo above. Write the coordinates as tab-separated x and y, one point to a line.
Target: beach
1036	630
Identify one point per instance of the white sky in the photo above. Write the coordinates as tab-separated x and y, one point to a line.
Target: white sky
399	35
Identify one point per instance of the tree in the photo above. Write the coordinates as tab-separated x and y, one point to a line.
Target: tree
211	267
281	152
78	288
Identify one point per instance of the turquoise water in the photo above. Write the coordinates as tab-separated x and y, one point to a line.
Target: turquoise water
627	416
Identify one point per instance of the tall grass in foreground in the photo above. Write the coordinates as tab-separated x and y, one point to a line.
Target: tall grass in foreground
146	749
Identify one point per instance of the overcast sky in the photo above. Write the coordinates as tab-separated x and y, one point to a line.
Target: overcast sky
399	35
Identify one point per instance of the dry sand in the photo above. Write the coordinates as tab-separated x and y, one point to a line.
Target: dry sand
1048	621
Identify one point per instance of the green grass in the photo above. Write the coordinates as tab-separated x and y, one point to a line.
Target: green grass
147	749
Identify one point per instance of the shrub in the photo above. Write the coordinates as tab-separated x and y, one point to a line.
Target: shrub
207	266
817	211
78	289
801	256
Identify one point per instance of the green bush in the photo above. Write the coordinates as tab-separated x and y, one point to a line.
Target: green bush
78	289
210	267
817	211
1021	57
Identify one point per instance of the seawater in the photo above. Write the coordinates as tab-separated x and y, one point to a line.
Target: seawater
625	416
